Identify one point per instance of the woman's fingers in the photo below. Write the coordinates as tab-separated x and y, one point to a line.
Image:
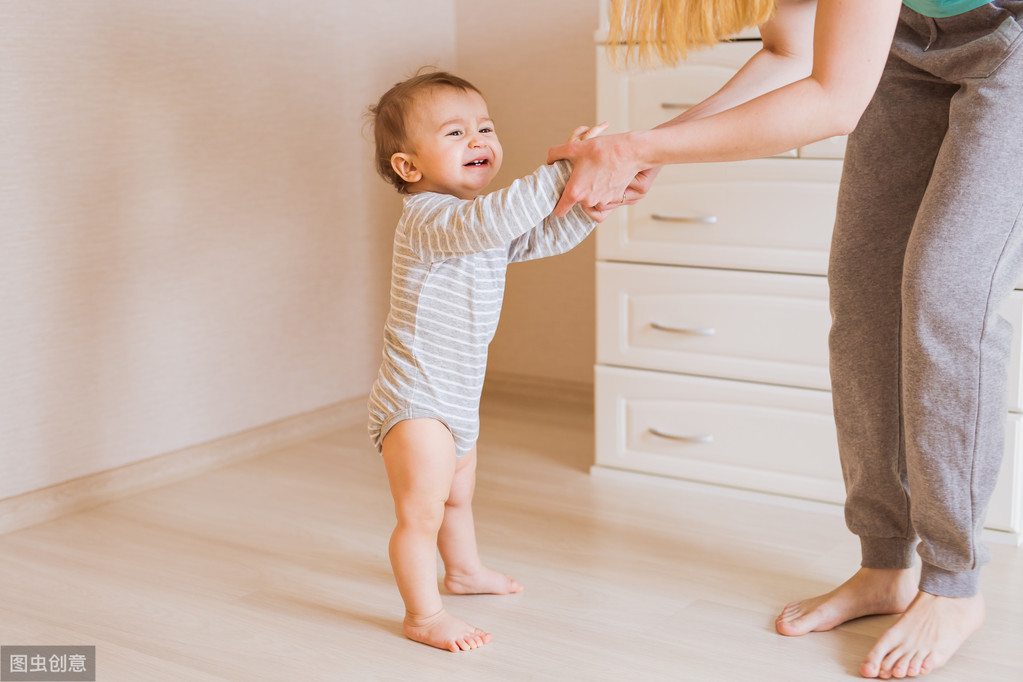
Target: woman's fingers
569	197
594	131
586	132
598	178
577	134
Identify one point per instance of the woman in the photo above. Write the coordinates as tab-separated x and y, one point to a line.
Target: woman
928	242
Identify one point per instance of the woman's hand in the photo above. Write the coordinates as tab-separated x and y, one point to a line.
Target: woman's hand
601	172
602	177
586	132
639	186
597	213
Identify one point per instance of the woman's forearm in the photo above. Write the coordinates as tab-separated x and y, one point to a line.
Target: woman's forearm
772	123
748	119
792	92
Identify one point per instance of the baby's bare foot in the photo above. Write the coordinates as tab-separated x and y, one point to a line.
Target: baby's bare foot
444	631
482	581
925	637
871	591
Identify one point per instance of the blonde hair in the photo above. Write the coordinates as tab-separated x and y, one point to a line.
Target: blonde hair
389	116
668	29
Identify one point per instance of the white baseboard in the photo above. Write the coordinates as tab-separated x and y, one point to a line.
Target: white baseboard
38	506
531	389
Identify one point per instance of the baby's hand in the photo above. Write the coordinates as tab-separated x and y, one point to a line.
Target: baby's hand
585	132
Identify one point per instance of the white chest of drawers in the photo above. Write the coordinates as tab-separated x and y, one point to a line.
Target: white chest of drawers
712	314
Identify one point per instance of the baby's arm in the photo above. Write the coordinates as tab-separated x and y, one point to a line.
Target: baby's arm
554	235
440	226
557	235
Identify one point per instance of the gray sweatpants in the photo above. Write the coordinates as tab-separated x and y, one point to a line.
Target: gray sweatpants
927	245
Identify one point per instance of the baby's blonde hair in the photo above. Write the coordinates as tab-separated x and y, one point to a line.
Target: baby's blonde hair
390	115
668	29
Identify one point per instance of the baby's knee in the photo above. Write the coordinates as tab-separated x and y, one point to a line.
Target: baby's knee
461	494
420	516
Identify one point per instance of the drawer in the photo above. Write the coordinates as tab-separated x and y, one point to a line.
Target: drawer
768	438
831	148
740	325
640	99
771	214
658	95
772	439
636	98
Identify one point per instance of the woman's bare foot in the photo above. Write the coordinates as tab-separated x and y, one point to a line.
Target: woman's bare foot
925	637
482	581
870	592
444	631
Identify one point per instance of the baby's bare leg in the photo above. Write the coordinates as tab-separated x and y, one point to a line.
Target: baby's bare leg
464	572
420	459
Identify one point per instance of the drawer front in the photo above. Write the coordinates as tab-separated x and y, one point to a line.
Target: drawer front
740	325
773	439
831	148
640	99
657	95
770	215
768	438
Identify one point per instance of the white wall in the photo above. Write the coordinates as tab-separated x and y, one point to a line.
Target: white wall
193	242
534	61
192	239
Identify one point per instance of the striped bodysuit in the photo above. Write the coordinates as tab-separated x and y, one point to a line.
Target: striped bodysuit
447	286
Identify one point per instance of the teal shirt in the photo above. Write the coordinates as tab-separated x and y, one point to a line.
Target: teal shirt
943	8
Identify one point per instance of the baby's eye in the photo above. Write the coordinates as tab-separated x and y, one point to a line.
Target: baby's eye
486	129
455	133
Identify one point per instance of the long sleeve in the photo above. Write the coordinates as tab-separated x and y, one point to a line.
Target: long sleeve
552	237
438	226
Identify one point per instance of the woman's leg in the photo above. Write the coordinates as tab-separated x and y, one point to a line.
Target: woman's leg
887	167
963	259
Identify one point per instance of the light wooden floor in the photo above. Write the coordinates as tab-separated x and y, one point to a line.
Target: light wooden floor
276	569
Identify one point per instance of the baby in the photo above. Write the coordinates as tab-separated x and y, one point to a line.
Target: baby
436	143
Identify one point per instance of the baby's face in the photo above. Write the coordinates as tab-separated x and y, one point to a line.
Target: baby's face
454	144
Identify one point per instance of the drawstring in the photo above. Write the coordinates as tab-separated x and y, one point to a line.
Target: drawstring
933	25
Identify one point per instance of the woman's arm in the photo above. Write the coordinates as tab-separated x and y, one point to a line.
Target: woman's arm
747	119
786	56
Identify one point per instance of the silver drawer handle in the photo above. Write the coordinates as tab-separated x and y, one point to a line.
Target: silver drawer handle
696	331
676	105
703	438
702	219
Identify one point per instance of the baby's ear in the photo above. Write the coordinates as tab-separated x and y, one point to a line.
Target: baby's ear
405	167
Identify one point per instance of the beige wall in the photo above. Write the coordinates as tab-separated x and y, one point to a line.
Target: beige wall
534	60
192	240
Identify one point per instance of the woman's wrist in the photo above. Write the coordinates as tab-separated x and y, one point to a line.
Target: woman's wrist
643	149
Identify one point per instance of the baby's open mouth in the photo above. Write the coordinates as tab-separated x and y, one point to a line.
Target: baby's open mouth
477	162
